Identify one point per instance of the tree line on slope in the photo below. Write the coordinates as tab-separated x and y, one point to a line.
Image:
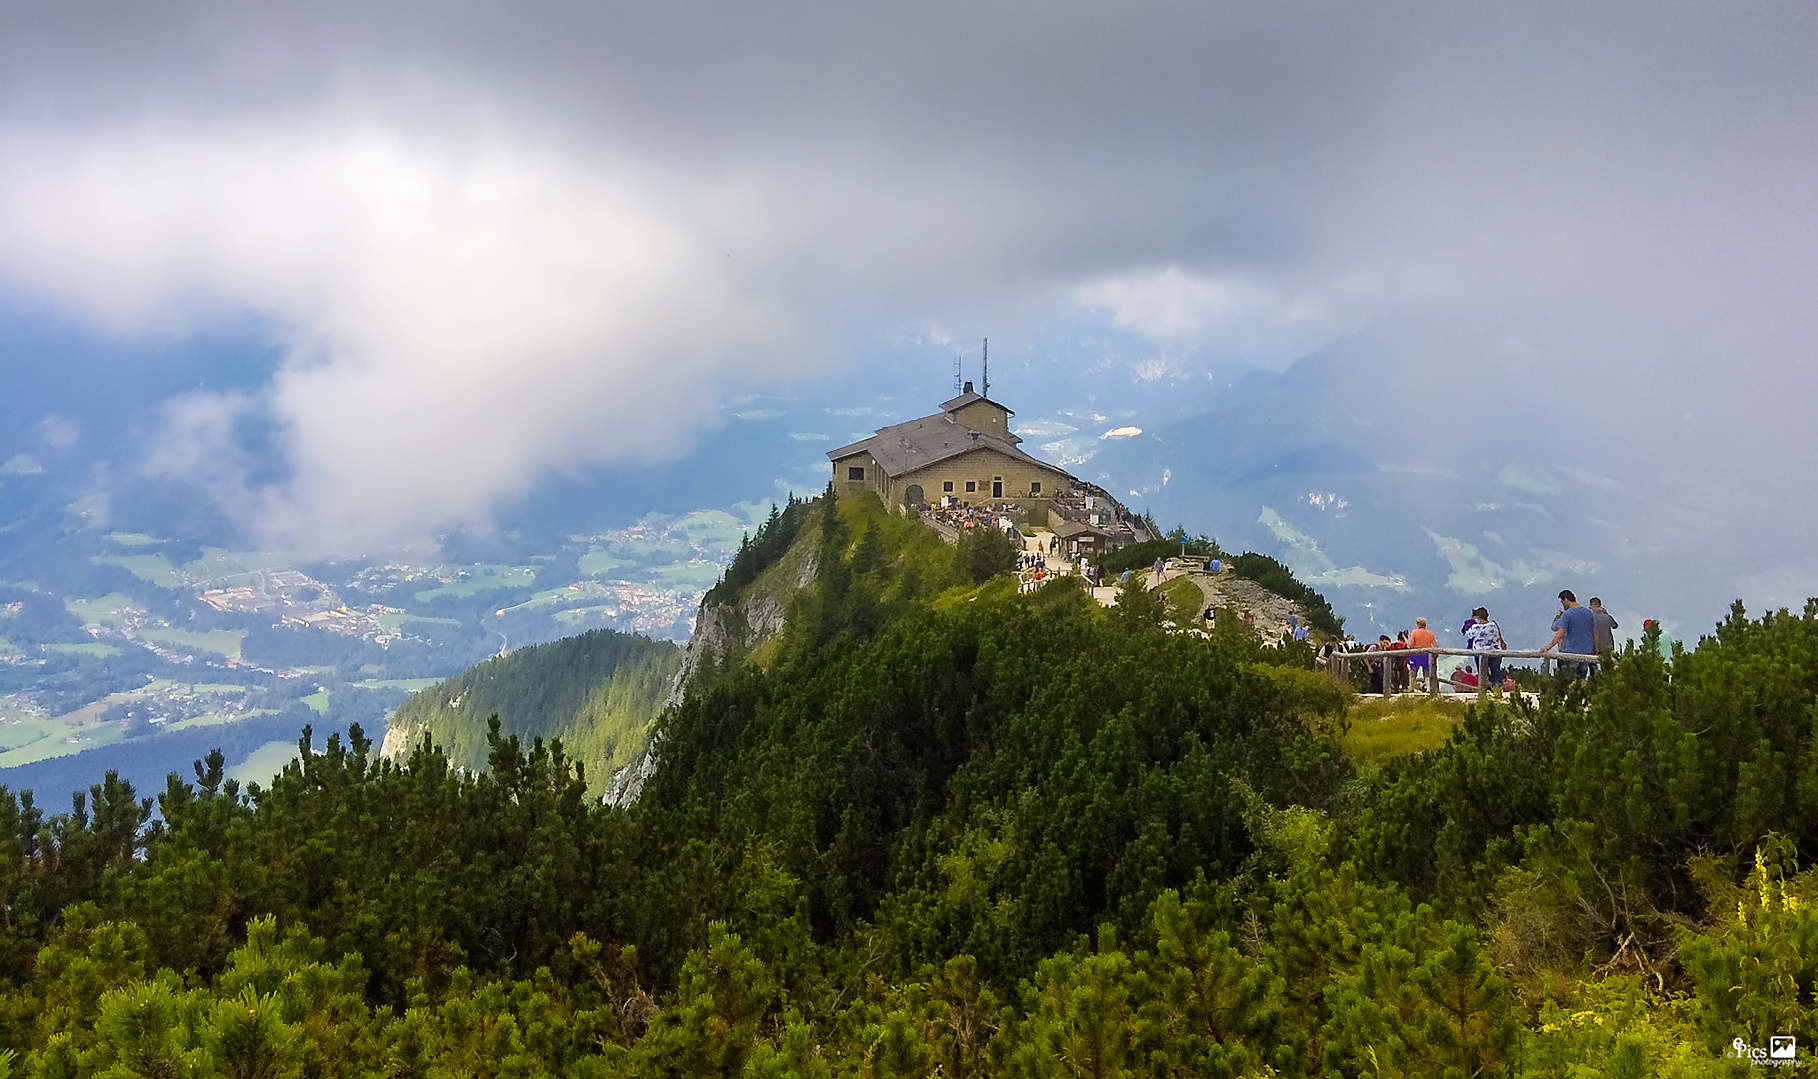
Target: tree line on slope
598	692
761	549
975	834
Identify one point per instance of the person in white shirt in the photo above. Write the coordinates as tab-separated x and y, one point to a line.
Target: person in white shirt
1484	635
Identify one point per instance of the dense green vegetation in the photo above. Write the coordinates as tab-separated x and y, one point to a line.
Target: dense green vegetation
947	829
983	553
598	693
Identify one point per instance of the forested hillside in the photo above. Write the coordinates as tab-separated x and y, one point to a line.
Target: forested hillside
598	693
942	828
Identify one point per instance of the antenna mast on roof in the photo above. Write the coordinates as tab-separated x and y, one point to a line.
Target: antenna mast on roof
957	373
985	376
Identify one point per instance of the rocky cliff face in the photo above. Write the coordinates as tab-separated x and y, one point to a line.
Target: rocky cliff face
404	735
726	634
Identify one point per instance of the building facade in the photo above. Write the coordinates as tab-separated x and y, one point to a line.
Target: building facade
963	455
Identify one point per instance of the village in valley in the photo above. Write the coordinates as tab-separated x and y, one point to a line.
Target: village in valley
144	641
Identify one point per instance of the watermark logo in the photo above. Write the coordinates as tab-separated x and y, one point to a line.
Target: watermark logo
1781	1052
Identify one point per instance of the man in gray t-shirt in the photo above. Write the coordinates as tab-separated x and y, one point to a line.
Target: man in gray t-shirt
1603	627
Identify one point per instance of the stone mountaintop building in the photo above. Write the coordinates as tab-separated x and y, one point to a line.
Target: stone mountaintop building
966	455
963	455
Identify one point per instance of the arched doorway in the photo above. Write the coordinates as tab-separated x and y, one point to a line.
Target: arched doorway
912	497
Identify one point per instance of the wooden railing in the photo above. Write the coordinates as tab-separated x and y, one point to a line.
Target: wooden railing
1339	663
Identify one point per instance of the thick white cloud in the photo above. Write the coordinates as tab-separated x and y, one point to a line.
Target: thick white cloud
1231	313
459	316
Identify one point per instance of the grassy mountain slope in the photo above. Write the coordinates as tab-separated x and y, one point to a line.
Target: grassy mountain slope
598	692
743	618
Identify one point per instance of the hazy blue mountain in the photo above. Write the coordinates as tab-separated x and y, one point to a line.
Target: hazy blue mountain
1402	492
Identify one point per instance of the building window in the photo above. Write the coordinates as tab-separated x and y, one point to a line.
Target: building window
971	486
855	473
1035	488
947	486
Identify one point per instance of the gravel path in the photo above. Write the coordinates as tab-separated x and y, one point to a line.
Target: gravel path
1225	589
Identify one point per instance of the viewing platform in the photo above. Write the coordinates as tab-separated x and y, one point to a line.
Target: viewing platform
1338	664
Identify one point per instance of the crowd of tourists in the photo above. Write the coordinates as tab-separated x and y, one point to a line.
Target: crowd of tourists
1578	631
963	518
1032	567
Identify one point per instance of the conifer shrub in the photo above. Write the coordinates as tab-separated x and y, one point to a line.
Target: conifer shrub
983	553
760	550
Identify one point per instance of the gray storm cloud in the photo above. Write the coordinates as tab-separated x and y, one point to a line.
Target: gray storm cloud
504	242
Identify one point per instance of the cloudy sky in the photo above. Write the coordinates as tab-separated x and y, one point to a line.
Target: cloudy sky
485	244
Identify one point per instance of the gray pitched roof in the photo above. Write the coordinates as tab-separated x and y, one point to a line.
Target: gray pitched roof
904	447
969	397
1068	528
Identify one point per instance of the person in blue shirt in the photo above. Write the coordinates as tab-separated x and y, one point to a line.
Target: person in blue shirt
1576	630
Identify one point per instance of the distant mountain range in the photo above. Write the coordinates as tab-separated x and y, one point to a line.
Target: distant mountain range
1402	493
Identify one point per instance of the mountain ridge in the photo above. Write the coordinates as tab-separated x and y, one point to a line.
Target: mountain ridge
598	693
